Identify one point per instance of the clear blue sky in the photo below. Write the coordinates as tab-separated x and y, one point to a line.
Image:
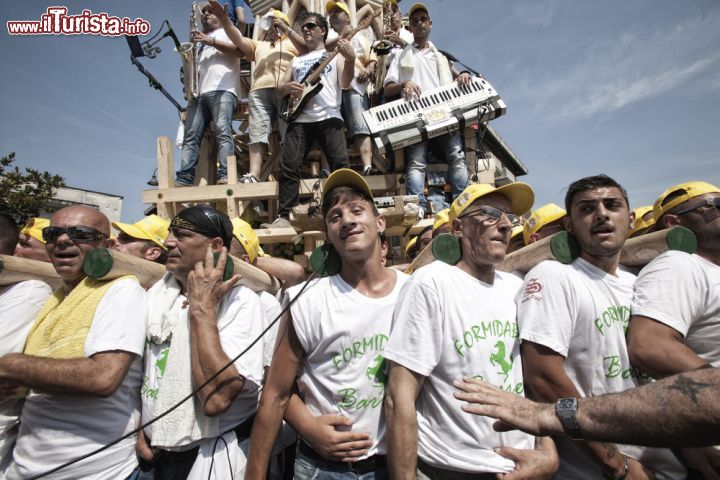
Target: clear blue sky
627	88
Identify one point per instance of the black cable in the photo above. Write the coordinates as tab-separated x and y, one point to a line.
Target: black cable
189	396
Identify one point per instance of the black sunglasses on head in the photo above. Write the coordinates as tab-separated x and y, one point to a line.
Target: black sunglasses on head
79	233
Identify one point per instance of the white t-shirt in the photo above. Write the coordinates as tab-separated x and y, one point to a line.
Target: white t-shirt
683	292
446	325
239	321
425	71
343	334
361	45
270	310
326	104
218	71
56	428
19	305
582	313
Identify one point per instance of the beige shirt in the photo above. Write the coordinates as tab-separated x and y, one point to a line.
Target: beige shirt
271	62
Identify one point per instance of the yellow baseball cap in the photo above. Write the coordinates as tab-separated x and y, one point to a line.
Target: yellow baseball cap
410	245
152	227
541	217
640	222
34	226
280	16
345	177
441	218
247	237
341	5
418	6
520	194
685	192
516	231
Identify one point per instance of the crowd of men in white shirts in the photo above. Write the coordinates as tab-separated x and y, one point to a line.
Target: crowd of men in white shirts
369	372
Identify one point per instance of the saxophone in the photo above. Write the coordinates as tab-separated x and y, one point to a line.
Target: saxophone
382	48
189	53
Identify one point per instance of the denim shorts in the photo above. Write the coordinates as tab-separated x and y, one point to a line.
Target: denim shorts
353	104
264	109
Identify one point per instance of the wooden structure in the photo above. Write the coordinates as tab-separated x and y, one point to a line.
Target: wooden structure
488	157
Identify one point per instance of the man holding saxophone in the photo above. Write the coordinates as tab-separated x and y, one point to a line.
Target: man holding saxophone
213	99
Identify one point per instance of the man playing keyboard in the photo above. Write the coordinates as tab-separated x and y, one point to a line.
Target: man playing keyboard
419	67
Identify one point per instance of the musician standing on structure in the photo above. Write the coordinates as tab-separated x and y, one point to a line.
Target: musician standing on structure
355	99
320	118
272	56
675	323
572	321
81	362
219	73
419	67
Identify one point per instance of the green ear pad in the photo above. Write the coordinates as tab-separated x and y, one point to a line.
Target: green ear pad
325	261
446	247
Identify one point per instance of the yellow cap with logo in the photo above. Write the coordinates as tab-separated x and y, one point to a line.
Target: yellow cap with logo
247	238
152	227
341	5
34	226
520	194
541	217
680	193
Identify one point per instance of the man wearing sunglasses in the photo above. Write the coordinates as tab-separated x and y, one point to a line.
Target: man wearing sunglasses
675	323
419	67
572	321
320	119
81	362
455	321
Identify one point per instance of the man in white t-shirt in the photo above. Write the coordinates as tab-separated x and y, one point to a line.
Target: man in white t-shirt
19	304
81	363
333	340
218	78
197	324
419	67
455	321
320	118
572	321
675	323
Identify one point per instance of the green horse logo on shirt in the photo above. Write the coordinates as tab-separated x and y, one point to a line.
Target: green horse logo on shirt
377	370
499	359
161	362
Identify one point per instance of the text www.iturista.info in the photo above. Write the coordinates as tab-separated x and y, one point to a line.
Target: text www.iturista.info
56	21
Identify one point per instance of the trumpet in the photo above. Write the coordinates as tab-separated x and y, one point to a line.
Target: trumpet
189	53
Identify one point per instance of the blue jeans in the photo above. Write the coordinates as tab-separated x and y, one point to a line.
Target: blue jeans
309	469
447	148
218	107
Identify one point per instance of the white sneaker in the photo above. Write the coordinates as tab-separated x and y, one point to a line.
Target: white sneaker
248	178
366	171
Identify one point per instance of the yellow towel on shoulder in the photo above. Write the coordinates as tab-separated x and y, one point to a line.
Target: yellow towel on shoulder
63	323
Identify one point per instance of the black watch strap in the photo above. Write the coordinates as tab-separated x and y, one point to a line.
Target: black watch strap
566	410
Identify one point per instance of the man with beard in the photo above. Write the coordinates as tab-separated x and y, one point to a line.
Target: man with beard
675	324
572	321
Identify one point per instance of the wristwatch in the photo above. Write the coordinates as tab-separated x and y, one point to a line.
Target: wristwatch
566	410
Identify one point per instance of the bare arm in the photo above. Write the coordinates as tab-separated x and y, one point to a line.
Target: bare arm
346	68
99	375
274	400
288	272
234	33
545	380
659	350
402	389
287	85
687	403
205	289
320	433
295	38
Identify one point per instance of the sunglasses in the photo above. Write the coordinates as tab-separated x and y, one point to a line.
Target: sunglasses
79	233
493	216
309	26
709	203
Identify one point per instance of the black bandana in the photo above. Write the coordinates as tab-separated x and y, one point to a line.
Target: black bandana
205	220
